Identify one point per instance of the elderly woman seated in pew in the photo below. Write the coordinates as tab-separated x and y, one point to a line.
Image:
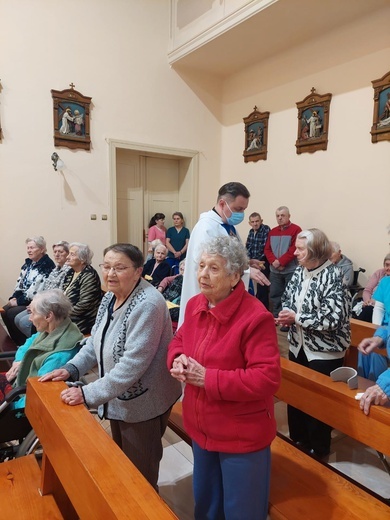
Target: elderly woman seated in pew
227	355
157	268
82	286
171	288
129	344
33	274
366	307
56	342
55	280
379	393
316	308
370	364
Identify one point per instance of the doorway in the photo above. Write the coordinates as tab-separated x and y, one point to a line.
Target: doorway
146	180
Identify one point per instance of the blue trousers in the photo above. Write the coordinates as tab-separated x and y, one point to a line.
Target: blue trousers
371	366
231	486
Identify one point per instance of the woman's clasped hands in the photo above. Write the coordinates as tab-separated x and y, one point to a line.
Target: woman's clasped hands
188	370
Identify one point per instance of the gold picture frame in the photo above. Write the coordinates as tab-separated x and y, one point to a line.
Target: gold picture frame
71	118
256	136
380	130
313	122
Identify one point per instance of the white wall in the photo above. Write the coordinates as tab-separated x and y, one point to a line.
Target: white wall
344	190
115	52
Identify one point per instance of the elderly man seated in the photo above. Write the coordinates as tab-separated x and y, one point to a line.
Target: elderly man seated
343	262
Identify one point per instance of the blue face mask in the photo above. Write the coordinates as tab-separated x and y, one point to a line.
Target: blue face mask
235	218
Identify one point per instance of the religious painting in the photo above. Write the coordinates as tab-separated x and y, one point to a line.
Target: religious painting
71	118
313	122
256	136
380	130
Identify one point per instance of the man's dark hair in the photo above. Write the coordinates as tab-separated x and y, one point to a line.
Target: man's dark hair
255	214
233	190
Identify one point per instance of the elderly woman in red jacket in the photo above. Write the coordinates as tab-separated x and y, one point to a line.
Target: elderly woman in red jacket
226	352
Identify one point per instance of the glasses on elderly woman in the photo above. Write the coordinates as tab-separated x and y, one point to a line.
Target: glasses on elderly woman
117	269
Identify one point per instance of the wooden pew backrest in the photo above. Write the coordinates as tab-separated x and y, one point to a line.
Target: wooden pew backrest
98	479
335	404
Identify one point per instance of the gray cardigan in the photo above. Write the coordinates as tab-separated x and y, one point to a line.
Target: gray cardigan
134	384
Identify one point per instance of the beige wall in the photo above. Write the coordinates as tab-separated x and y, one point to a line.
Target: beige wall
344	190
116	52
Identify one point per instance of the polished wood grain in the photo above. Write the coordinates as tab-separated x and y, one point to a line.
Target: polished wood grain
20	498
335	404
99	480
302	488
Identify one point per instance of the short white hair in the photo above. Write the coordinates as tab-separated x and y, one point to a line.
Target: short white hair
53	300
335	246
84	253
39	241
231	250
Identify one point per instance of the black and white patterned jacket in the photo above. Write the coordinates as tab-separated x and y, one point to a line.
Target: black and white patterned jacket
321	302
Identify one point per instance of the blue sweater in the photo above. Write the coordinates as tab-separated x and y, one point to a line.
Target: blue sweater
384	379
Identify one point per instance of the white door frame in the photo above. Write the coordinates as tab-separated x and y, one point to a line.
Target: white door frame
152	151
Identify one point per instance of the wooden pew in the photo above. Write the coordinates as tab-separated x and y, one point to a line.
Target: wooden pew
313	482
302	487
335	404
84	473
359	331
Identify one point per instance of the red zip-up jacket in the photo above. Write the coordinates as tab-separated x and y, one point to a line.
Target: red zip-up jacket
281	245
236	342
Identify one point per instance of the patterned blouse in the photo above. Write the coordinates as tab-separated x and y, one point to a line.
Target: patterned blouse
85	294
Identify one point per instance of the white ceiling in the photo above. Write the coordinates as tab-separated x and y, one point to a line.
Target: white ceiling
277	29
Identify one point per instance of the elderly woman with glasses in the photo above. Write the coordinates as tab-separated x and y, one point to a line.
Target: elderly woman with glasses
82	286
316	308
129	344
226	353
33	274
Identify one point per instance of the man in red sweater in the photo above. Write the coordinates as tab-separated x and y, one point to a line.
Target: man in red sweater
279	251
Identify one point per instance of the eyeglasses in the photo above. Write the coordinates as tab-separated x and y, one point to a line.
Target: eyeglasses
117	270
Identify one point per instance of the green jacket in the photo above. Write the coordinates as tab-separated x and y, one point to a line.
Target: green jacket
57	344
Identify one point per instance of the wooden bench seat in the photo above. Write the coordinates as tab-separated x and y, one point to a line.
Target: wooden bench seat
303	488
20	496
84	474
